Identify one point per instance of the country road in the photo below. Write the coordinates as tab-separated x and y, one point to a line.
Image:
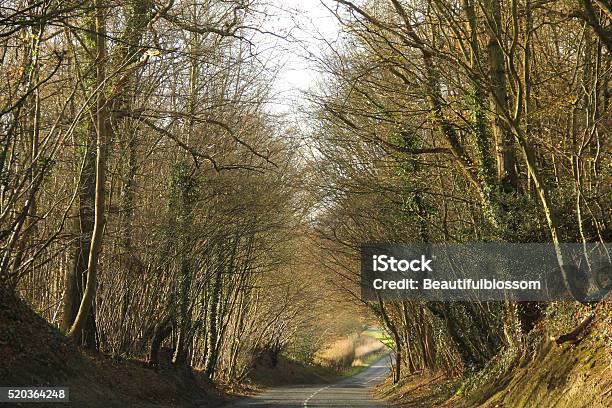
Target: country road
350	392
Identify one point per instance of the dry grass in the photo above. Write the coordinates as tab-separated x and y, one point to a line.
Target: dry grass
351	351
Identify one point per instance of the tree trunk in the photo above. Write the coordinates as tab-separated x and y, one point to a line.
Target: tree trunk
212	333
76	278
397	369
477	98
161	331
181	351
506	156
102	126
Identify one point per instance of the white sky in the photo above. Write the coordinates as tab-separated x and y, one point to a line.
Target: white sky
308	22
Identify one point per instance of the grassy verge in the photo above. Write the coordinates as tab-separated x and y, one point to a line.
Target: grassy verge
353	353
379	335
362	365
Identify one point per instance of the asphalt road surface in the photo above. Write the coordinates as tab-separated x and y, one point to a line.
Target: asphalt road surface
350	392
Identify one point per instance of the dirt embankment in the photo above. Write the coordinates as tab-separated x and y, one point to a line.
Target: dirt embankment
543	373
33	353
553	375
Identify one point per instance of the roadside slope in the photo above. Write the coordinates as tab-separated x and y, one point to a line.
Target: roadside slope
34	353
544	374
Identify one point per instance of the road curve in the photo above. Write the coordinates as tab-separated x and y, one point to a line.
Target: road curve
350	392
